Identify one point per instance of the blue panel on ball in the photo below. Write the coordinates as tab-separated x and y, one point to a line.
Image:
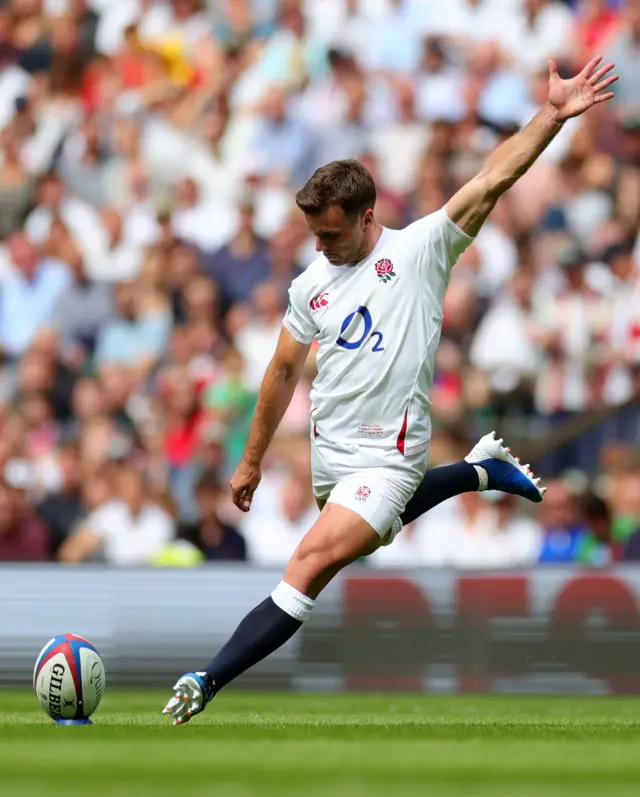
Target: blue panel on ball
45	654
76	648
83	721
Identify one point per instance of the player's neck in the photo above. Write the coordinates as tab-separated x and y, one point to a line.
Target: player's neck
371	241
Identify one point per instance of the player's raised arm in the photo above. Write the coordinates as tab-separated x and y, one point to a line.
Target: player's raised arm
277	388
471	205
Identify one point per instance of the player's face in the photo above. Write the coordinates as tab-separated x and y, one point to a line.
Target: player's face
341	239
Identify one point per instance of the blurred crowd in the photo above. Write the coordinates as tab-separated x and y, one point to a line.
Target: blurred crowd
149	155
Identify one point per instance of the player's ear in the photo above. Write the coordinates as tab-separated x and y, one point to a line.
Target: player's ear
367	218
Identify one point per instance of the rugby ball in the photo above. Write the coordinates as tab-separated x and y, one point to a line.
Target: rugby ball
69	678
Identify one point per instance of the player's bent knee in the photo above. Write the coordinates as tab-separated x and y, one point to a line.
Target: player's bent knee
337	538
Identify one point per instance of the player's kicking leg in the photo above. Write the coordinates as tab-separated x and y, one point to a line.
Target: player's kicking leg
488	466
339	537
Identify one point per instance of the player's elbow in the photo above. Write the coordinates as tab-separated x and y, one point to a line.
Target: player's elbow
288	360
284	370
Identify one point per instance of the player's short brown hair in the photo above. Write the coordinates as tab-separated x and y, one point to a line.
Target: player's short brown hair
346	183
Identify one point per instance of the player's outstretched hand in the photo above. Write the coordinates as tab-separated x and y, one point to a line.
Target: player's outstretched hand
575	96
244	483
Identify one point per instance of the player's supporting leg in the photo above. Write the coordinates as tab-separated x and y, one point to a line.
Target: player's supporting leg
339	537
489	466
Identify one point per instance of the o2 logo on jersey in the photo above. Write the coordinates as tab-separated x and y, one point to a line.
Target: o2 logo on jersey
361	312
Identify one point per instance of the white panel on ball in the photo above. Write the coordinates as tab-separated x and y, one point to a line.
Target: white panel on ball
93	680
56	690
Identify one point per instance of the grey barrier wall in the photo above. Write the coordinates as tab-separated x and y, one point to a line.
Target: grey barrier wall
547	630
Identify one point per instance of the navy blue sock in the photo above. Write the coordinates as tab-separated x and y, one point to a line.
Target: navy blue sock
438	485
263	630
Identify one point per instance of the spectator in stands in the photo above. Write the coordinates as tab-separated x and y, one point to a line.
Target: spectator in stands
29	298
182	416
133	338
244	262
63	508
152	296
201	300
16	186
23	535
37	373
400	145
127	530
565	531
627	520
597	24
119	259
80	311
87	403
97	489
542	30
439	93
182	264
395	42
598	548
518	537
489	534
191	217
571	331
43	432
283	149
625	50
217	539
101	442
118	386
503	347
54	202
228	407
353	136
624	331
572	327
256	337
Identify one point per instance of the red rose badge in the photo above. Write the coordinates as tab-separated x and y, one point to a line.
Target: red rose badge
384	270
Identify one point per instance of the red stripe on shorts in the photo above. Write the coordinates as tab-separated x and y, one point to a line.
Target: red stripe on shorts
403	433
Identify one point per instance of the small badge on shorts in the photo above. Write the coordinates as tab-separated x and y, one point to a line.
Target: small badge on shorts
362	493
384	270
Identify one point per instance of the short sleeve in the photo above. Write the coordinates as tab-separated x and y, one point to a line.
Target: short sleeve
441	241
298	318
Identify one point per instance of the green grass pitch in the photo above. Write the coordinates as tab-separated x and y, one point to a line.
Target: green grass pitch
329	745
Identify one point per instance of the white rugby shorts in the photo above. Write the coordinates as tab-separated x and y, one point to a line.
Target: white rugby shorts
376	483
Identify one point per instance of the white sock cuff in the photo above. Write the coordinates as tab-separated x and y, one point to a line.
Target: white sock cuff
292	602
483	478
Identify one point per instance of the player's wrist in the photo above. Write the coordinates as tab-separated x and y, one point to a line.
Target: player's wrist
554	115
251	460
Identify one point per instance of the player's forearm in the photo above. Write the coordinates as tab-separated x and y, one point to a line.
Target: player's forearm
513	158
471	205
275	396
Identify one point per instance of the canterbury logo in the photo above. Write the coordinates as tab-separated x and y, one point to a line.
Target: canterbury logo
321	300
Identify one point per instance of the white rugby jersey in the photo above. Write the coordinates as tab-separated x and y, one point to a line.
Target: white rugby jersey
378	326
